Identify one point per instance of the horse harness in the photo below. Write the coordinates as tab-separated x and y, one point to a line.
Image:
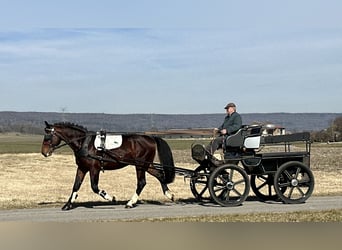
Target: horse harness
102	154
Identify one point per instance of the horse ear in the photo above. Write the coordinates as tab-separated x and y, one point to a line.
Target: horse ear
47	124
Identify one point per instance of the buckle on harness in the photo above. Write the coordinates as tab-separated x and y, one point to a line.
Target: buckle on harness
102	134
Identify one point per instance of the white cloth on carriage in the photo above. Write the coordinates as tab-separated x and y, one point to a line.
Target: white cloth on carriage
111	141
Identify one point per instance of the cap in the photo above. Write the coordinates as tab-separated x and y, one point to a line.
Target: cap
230	105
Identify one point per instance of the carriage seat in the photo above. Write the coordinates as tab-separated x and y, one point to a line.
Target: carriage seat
247	137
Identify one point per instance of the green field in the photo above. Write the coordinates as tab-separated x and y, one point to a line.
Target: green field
18	143
14	143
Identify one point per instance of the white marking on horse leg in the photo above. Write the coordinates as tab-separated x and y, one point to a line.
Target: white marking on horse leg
169	195
133	200
73	197
106	196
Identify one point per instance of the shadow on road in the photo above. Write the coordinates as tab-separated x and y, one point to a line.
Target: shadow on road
109	205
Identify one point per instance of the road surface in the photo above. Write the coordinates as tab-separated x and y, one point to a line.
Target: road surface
98	212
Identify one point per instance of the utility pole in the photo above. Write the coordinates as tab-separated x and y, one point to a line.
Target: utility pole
152	121
63	110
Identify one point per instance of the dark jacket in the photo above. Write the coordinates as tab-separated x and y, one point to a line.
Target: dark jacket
232	123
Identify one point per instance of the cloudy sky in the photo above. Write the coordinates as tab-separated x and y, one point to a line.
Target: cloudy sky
172	57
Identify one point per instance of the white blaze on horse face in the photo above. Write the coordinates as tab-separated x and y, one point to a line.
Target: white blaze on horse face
73	197
133	200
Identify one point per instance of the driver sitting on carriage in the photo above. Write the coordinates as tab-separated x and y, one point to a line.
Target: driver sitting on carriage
231	124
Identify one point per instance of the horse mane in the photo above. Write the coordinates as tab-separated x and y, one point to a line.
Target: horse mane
71	125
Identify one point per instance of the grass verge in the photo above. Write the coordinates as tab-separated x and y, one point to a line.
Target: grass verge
333	215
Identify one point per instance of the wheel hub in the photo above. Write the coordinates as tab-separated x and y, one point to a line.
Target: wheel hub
230	185
294	182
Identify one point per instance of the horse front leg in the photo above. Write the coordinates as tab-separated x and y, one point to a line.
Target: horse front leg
77	184
94	181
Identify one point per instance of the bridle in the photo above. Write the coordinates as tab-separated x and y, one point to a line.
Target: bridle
50	132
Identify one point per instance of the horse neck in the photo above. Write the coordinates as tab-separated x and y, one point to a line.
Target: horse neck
74	138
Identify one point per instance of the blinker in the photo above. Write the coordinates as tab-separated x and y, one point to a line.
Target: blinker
48	137
49	130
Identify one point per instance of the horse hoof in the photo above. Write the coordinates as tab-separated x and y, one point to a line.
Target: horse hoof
173	198
170	195
130	206
67	207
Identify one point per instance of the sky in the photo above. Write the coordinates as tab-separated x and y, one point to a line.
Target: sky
170	57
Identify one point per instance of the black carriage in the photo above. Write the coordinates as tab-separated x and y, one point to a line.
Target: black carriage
283	174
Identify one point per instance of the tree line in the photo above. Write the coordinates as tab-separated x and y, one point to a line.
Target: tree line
331	134
323	127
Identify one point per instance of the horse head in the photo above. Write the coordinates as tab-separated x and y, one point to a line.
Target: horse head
50	141
73	135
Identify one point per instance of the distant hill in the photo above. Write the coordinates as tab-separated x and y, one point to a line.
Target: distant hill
33	122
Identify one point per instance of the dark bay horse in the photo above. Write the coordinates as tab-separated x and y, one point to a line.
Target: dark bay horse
136	149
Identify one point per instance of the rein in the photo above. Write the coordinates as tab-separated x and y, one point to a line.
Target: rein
117	159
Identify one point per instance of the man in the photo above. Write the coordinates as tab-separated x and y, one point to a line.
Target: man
230	125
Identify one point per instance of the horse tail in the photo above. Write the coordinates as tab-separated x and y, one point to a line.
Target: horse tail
166	159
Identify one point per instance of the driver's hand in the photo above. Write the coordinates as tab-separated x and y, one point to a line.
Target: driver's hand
223	131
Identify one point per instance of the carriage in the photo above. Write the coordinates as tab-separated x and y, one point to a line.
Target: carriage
277	174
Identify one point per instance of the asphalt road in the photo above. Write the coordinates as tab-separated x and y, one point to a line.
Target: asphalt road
108	212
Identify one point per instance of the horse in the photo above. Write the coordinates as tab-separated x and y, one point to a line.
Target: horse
136	149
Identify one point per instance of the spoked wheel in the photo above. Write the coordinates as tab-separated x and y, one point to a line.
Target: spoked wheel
298	180
229	185
263	187
199	184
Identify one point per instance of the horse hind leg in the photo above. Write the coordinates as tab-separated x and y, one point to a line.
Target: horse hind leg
166	191
141	182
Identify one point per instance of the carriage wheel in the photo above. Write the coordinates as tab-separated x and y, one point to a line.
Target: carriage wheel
298	180
229	185
199	184
263	187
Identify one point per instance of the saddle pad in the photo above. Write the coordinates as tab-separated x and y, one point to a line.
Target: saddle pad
112	141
